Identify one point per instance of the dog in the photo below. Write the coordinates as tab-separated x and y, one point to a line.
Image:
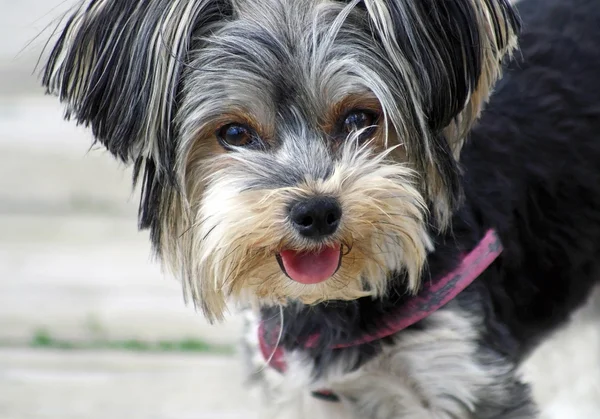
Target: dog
403	196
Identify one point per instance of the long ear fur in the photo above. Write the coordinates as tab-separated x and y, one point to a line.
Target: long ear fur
454	51
117	65
456	48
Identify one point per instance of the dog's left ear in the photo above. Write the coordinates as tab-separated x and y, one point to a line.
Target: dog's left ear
455	48
448	54
475	37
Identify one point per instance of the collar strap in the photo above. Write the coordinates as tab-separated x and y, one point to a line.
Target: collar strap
432	296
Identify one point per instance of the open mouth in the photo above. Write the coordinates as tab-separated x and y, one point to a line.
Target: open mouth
310	267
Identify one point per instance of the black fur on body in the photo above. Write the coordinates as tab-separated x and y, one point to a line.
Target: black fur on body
531	171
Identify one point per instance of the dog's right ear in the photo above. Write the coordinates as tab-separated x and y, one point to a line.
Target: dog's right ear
117	65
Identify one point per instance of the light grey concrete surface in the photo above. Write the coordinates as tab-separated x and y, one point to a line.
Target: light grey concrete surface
78	277
65	385
70	253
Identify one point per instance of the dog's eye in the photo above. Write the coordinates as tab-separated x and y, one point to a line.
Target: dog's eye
359	120
236	135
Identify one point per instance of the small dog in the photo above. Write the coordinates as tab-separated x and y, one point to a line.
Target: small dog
327	165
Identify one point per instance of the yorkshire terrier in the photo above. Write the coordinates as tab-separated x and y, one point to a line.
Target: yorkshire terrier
403	195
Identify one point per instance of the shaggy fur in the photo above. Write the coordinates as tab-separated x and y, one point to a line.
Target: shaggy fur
291	70
159	81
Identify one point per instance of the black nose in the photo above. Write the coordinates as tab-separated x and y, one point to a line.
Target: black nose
316	217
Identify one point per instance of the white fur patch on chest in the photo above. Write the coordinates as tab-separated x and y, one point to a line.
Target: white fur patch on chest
431	373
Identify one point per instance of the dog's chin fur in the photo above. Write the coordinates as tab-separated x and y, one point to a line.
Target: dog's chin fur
229	240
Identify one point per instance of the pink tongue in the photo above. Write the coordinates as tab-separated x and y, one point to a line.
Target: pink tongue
313	267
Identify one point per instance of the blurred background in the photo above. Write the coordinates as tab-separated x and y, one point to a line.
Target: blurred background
89	326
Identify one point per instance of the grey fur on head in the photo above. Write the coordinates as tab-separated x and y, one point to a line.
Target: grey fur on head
156	79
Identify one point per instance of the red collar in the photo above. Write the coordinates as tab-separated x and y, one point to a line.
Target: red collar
432	296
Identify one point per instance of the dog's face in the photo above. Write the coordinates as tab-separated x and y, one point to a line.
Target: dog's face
293	150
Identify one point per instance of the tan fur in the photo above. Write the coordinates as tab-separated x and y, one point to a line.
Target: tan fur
227	240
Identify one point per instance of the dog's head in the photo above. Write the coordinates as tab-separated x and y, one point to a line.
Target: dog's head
290	149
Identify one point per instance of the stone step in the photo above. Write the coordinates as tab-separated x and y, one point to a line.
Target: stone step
80	278
100	385
47	166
